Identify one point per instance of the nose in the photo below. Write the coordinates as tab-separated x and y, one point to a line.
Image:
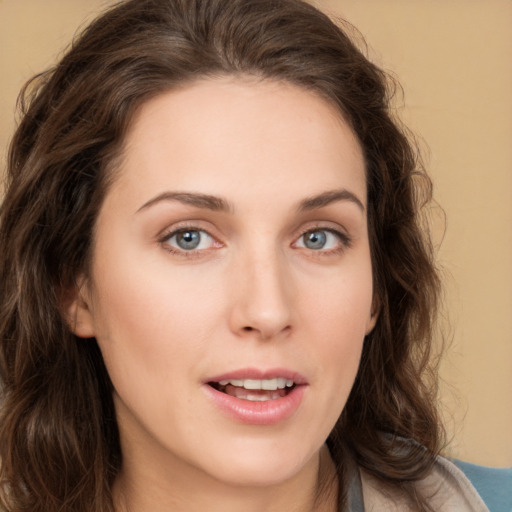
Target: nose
261	305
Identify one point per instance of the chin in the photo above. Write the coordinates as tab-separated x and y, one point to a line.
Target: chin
262	466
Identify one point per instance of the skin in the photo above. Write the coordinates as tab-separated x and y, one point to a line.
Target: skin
252	294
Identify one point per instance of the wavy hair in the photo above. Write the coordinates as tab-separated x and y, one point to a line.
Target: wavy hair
59	441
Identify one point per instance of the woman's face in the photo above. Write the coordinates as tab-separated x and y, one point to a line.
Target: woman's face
231	254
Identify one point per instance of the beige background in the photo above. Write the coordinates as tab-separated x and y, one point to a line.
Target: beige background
454	59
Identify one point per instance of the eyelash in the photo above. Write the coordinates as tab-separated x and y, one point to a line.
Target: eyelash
345	242
167	235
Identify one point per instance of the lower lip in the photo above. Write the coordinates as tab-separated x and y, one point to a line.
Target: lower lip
269	412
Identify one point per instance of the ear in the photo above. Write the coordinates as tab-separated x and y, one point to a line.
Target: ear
77	310
374	315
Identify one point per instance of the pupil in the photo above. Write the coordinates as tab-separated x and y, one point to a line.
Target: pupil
188	239
315	239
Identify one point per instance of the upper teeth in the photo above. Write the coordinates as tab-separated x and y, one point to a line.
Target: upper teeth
266	384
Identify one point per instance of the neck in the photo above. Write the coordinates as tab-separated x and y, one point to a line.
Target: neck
146	488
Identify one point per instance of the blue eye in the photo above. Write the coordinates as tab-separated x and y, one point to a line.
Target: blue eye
315	239
322	240
189	240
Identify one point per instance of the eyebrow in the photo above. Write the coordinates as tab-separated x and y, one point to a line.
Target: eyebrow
328	197
218	204
208	202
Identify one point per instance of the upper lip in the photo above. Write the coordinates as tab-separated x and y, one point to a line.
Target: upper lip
259	374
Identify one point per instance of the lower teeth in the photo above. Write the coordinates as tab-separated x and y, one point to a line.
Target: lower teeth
257	398
245	394
252	395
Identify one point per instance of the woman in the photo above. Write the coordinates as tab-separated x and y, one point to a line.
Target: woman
216	294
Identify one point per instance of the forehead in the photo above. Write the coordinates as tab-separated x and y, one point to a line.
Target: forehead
255	132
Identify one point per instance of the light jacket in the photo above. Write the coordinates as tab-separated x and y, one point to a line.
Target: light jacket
446	488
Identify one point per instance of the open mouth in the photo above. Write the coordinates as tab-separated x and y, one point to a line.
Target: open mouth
255	390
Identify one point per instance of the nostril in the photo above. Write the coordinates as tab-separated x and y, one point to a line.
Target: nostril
248	329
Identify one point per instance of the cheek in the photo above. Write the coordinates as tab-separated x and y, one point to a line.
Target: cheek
342	303
146	315
338	317
153	322
153	331
334	319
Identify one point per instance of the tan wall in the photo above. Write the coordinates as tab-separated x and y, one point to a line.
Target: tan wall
454	61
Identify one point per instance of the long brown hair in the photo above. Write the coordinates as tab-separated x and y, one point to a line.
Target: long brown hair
59	442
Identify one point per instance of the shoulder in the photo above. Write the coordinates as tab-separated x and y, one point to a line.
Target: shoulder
446	489
493	484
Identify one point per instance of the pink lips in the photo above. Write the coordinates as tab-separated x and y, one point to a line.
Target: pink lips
268	412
